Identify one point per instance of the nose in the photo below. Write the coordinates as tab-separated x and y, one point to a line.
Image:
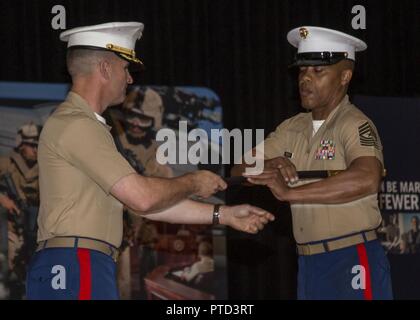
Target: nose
305	75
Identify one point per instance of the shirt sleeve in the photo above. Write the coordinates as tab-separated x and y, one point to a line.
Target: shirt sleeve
272	147
361	139
275	143
88	146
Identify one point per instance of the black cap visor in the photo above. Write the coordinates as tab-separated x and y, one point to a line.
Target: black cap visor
318	58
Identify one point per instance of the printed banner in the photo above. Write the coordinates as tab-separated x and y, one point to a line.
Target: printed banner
397	122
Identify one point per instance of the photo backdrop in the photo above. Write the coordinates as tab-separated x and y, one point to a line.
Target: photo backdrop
157	259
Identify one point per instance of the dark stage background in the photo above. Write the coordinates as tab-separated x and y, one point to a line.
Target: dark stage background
238	48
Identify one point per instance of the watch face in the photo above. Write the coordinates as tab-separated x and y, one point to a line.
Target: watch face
216	214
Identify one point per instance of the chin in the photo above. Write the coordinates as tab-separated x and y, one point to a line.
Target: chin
306	105
116	102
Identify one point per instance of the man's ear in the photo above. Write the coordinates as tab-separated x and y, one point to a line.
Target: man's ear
105	69
346	76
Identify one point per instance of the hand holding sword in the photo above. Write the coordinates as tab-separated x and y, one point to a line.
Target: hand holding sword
287	170
277	175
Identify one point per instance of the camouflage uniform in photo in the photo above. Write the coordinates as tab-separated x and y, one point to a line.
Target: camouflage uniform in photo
142	151
21	228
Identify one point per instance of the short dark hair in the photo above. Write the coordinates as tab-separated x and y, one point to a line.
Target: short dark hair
80	61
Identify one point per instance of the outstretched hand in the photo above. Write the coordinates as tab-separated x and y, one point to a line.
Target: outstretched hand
245	218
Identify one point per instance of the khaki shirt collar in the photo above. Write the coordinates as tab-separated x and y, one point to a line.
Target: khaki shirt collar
306	125
329	122
81	104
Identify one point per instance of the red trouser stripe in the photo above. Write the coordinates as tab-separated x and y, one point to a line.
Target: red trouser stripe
363	258
85	292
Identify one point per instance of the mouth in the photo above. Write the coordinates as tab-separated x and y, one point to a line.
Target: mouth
137	130
305	92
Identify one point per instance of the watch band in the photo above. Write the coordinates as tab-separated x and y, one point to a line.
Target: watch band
216	214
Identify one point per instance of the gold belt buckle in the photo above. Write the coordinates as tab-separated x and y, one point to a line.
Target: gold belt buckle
114	253
304	249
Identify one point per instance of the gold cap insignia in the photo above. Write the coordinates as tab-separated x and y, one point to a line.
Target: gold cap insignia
303	33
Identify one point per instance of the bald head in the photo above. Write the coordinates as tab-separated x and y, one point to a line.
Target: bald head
82	62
